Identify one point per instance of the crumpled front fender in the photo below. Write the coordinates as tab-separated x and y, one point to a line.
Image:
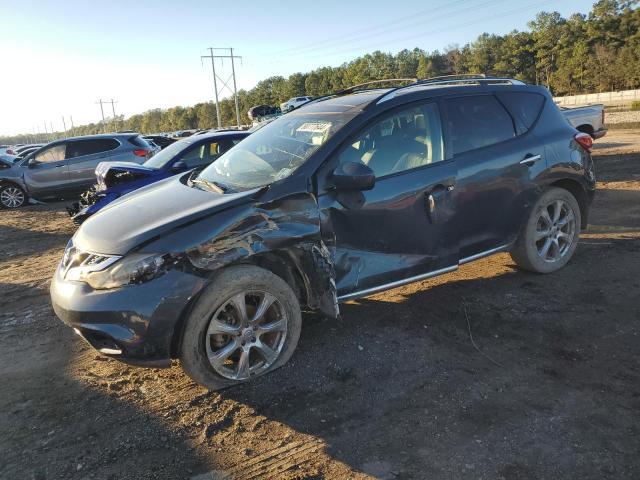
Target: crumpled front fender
287	229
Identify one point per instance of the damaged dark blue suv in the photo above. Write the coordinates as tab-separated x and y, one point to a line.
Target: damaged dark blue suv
351	194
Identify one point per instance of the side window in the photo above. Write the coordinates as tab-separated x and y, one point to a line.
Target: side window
401	141
524	106
53	154
203	154
79	148
477	121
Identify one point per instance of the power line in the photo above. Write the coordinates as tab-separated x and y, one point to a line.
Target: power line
364	32
440	30
225	83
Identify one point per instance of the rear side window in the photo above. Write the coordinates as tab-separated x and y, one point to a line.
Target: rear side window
139	141
477	121
524	106
80	148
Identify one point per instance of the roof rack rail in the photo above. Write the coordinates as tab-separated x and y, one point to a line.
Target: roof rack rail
374	82
479	78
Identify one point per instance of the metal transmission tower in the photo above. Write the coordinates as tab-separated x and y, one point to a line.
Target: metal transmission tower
113	109
104	126
225	84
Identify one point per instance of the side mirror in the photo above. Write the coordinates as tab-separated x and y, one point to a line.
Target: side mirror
353	176
179	166
31	163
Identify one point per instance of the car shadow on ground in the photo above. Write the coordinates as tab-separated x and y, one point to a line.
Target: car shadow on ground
14	238
398	387
616	167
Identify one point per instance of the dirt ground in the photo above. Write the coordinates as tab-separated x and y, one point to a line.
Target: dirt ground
394	389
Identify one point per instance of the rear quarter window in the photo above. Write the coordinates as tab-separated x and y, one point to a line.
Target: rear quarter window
525	107
477	121
80	148
138	141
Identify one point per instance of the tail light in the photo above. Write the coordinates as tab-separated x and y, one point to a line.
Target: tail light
584	140
141	152
603	116
9	152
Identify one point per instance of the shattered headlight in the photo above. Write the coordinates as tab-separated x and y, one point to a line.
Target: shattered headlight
131	269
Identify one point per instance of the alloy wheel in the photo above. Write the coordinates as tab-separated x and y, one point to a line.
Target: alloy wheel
555	231
245	336
12	197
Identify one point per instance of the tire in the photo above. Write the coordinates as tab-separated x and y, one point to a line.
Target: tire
12	196
548	240
213	328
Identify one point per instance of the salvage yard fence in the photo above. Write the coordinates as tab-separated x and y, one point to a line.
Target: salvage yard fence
621	97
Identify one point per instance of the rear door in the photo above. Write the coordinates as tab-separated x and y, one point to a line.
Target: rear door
47	175
83	157
498	159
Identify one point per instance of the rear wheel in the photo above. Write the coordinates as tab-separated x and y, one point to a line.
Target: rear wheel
12	196
245	324
550	236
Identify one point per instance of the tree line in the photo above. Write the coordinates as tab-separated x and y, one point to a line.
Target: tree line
585	53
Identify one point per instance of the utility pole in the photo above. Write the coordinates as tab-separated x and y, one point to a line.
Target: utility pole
46	133
225	83
72	127
64	125
113	109
53	137
104	126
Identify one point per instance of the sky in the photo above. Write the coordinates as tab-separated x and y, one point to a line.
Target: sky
58	58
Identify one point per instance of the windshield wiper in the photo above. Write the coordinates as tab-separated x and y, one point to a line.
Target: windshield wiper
211	185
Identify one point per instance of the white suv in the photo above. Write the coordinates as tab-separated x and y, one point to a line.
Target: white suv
293	103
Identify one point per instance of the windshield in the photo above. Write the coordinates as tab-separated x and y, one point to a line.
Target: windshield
273	152
161	158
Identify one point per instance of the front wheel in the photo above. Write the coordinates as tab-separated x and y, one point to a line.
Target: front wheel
12	196
550	236
245	324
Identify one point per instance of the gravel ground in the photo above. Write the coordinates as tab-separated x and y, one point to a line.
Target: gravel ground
395	389
622	117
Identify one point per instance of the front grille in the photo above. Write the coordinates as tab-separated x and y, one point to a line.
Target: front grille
90	262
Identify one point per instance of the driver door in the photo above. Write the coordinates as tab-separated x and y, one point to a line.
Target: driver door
48	173
401	229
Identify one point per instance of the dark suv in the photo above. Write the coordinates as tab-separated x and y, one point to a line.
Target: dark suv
349	195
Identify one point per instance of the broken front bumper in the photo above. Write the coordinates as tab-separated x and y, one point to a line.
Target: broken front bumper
136	323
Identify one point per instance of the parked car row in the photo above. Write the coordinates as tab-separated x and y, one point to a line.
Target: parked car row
66	167
115	179
348	195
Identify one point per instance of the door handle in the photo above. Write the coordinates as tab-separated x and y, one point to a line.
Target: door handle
530	160
433	197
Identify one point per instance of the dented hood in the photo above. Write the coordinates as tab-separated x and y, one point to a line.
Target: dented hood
149	212
104	167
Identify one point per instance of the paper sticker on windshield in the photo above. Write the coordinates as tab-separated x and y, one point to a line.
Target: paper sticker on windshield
314	127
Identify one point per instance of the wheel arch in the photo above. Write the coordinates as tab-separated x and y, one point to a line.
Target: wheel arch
576	189
281	263
5	182
586	128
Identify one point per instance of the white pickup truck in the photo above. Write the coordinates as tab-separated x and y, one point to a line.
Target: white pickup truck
589	119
